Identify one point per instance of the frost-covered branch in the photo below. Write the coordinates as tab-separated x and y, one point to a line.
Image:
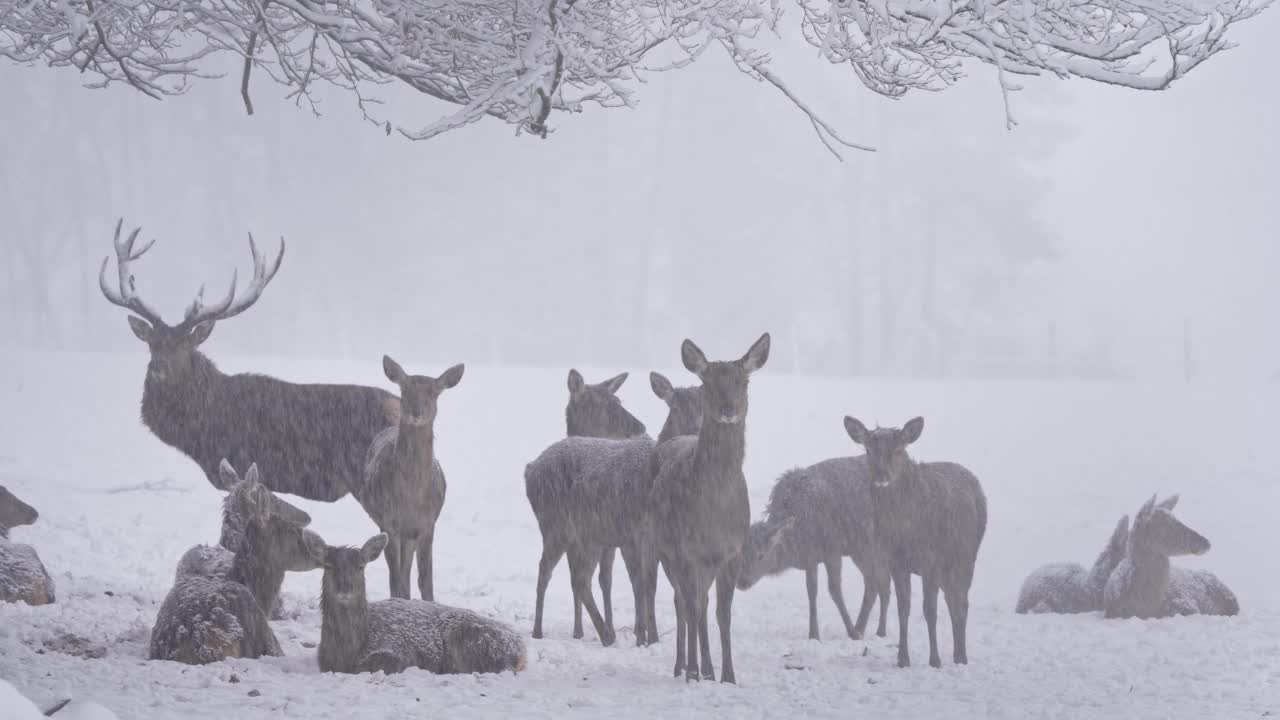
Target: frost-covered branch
521	60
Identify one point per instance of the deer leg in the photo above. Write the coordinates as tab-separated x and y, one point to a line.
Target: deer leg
650	605
835	588
551	554
704	641
958	607
811	587
930	586
631	561
426	585
882	583
581	565
696	609
725	586
408	546
577	604
682	615
869	591
605	579
392	554
902	587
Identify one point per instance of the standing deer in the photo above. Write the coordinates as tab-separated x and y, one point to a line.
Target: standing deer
404	486
699	511
830	505
930	518
1145	585
587	494
309	440
1069	587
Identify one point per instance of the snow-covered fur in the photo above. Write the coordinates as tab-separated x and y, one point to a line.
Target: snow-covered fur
1145	585
22	575
205	619
214	561
1069	587
396	634
930	518
585	495
830	503
403	487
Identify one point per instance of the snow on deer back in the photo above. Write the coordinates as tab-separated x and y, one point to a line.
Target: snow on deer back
23	577
204	619
396	634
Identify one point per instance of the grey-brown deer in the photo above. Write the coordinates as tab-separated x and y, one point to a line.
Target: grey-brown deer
930	519
1146	585
699	510
23	577
404	485
588	495
209	619
309	440
396	634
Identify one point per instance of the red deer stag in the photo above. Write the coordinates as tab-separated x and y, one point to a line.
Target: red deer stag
308	440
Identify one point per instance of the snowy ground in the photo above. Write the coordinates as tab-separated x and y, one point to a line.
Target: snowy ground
1060	463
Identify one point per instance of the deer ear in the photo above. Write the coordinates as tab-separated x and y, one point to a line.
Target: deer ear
452	376
757	355
227	476
141	329
200	333
315	547
693	358
661	386
1168	503
857	431
911	431
394	372
288	512
251	476
576	383
614	383
373	548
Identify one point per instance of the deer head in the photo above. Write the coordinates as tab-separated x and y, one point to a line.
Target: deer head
1156	530
724	383
596	411
14	512
420	394
172	346
684	407
344	569
762	553
887	458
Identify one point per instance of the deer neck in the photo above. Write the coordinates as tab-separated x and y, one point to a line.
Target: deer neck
1149	580
1096	580
344	632
250	567
721	449
188	395
415	445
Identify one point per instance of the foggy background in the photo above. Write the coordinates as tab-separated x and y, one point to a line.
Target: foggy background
1111	234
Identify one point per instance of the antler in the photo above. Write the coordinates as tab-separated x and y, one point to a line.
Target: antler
230	306
126	296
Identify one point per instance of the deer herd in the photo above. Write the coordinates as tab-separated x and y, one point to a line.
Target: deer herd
679	503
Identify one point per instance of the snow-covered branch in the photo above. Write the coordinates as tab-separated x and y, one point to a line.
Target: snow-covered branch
520	60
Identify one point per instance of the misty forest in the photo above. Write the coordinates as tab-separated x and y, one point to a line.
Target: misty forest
913	357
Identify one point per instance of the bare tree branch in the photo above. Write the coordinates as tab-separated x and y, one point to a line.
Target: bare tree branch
521	61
